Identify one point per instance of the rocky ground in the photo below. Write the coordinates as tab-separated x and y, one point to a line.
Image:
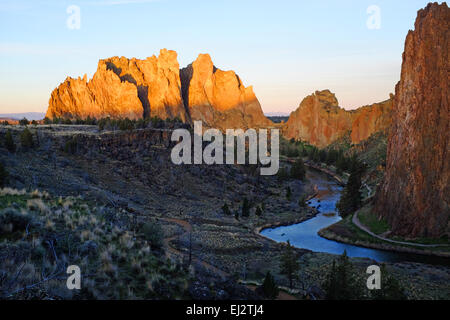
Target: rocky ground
130	174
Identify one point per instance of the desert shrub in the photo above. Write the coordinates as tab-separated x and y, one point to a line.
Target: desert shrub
154	234
157	122
226	209
24	122
3	175
282	174
9	142
12	220
126	124
302	201
47	121
71	145
26	139
298	170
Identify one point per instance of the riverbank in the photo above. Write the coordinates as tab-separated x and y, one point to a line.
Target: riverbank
345	231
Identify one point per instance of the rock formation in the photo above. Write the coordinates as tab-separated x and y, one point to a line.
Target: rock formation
123	87
320	121
136	88
414	196
103	96
370	119
219	98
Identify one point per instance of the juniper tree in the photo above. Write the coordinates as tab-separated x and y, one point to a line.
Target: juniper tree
269	287
26	139
245	208
298	170
351	198
9	142
3	175
226	209
289	264
341	282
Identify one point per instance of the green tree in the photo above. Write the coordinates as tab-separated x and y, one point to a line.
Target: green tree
351	197
9	142
288	193
47	121
258	211
24	122
341	283
302	201
298	170
282	174
269	287
26	139
245	208
226	209
289	264
3	175
390	287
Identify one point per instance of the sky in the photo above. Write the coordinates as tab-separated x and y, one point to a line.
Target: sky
285	49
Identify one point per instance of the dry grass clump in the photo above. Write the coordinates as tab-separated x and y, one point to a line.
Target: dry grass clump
40	237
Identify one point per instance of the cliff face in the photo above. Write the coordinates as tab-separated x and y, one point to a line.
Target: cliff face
370	119
136	88
320	121
157	80
123	87
105	95
219	98
414	196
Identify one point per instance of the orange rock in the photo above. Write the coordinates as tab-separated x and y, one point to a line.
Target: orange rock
320	121
415	194
371	119
218	98
157	80
104	96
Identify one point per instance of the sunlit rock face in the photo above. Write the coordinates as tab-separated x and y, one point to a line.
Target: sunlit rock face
104	95
219	98
122	88
414	197
157	80
135	88
320	121
370	119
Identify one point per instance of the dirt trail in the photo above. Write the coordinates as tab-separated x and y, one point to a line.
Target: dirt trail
357	223
187	227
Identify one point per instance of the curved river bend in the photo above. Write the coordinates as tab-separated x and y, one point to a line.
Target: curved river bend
304	235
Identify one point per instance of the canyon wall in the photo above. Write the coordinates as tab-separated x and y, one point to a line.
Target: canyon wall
136	88
320	121
414	196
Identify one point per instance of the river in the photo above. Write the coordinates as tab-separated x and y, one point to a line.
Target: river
305	235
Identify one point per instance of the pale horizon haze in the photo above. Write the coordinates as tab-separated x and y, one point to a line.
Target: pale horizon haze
285	49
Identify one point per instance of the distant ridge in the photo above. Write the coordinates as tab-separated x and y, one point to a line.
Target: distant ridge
19	116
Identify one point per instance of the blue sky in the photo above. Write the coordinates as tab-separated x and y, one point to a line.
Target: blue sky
285	49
